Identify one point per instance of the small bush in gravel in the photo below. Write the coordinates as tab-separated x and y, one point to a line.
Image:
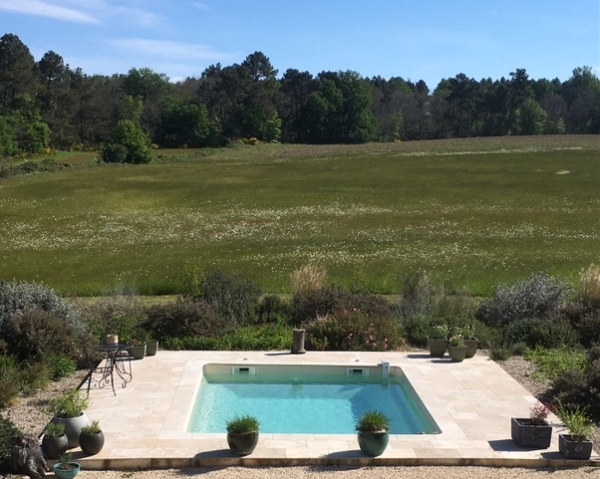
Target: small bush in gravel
61	366
539	296
576	388
8	431
10	380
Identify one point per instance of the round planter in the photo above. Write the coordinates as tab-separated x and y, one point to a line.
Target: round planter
472	345
458	353
242	443
527	435
91	444
151	347
373	443
73	427
66	473
54	447
138	351
437	347
571	449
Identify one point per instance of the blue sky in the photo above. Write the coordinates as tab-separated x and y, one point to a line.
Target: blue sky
416	40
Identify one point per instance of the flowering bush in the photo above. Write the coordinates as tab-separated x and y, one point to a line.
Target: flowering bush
538	414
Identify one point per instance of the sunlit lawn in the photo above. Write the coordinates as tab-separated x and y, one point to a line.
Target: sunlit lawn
472	213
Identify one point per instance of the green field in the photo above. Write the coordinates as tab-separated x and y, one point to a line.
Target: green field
473	213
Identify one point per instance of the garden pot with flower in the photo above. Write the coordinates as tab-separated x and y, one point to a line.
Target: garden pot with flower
91	439
69	409
457	348
533	432
471	341
55	441
137	349
576	444
242	434
437	340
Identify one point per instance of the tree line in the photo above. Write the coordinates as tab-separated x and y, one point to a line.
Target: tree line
47	104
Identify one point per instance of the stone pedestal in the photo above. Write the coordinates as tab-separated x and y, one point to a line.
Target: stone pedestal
298	346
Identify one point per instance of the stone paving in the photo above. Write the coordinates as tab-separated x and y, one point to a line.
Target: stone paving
145	424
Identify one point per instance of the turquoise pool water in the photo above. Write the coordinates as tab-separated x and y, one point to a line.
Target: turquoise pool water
307	401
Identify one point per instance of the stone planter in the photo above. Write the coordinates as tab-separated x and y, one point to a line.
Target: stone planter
472	345
458	353
373	443
437	347
138	351
572	449
151	347
531	436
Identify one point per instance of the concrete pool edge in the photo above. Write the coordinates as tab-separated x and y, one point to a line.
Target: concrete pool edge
472	402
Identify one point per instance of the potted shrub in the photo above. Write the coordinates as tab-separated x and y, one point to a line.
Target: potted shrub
437	340
151	347
55	441
576	444
91	439
373	433
66	468
69	409
242	434
471	341
533	432
457	347
137	348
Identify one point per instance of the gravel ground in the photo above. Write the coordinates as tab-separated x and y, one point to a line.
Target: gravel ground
29	416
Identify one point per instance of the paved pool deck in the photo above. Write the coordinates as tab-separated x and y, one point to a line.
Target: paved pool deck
145	424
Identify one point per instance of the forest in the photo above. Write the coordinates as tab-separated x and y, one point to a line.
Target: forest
46	105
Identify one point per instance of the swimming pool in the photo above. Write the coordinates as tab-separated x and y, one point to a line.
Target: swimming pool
307	399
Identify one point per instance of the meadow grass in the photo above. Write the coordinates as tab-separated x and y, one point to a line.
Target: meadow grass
473	213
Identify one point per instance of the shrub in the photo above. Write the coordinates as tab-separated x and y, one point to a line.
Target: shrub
10	380
349	330
333	299
118	313
232	296
112	153
419	298
185	318
552	362
61	366
308	278
539	296
576	388
8	432
272	308
130	141
548	333
589	287
34	334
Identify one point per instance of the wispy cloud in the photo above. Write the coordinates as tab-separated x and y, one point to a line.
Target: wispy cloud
200	6
170	49
46	9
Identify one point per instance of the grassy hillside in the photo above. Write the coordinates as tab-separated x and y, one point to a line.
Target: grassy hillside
473	213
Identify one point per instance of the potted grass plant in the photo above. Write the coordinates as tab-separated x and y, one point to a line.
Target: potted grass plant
437	340
66	468
55	441
91	438
471	341
373	433
576	444
533	432
69	409
242	434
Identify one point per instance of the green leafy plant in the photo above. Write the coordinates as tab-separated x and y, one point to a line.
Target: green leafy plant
69	404
243	424
373	421
54	429
552	362
438	331
65	462
457	341
8	431
61	366
92	428
577	421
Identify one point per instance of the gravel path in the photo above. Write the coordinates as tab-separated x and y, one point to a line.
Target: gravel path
29	416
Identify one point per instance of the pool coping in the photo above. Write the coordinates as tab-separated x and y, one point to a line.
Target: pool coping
472	402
